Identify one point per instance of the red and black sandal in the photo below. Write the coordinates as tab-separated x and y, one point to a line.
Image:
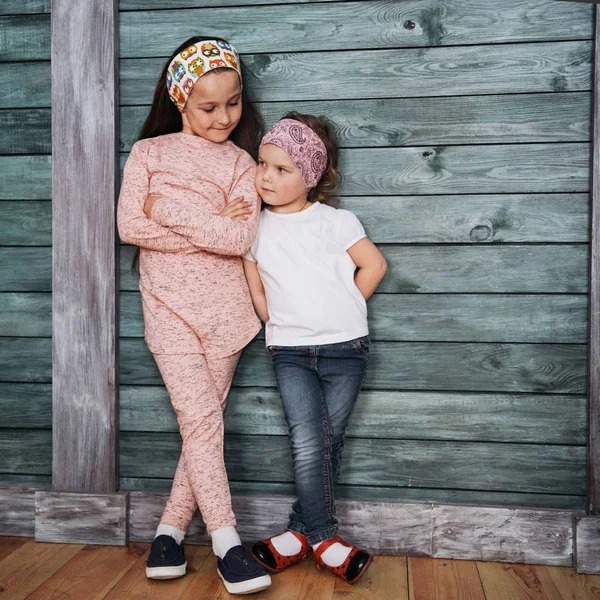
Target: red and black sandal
273	561
355	565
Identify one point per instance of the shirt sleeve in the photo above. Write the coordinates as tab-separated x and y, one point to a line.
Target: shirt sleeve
133	224
220	235
348	229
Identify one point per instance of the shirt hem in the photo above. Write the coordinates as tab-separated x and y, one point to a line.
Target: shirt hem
319	340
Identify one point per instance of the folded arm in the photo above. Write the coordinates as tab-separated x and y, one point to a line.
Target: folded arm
207	231
134	226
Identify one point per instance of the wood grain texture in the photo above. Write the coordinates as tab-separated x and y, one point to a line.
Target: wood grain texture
301	27
432	464
84	266
380	493
526	418
25	177
63	517
594	313
443	580
17	510
499	269
503	534
539	368
8	544
26	452
30	566
26	314
15	7
91	574
510	68
586	557
378	24
26	131
26	223
394	317
509	581
26	405
396	528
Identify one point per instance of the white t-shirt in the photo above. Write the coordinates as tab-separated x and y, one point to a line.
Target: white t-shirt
309	277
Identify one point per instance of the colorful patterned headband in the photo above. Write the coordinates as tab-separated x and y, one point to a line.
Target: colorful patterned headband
193	62
304	146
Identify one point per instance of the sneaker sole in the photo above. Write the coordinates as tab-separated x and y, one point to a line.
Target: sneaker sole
246	587
166	572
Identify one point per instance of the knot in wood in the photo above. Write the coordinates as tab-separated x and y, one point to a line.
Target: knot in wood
409	25
480	233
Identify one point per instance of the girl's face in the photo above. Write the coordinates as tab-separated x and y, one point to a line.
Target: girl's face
214	107
278	180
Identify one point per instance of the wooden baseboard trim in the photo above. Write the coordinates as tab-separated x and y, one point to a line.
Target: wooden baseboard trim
586	554
486	533
535	536
77	518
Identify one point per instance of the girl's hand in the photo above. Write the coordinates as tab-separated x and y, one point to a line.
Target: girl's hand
236	209
150	201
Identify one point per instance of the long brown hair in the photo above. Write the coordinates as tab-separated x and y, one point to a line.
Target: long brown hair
164	117
326	187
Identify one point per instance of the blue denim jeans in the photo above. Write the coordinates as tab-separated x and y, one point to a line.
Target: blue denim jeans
318	387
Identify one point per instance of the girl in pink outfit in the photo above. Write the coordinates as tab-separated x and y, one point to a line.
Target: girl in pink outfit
188	201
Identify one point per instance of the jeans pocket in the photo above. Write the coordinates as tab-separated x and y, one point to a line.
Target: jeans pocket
362	345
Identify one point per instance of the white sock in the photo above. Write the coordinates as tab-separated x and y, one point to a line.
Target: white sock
287	544
335	555
224	539
175	533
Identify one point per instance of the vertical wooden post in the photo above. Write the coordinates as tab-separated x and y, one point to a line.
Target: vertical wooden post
587	529
593	505
84	279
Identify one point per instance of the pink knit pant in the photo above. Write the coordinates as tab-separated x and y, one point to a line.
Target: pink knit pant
198	386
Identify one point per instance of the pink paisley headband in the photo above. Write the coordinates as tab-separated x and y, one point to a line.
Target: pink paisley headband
193	62
304	146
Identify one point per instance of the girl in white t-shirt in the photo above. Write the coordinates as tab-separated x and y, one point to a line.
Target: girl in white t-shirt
310	271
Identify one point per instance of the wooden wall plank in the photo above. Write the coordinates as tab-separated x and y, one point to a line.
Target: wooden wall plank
454	269
297	27
412	269
26	314
508	168
26	223
378	24
586	557
539	368
464	465
527	418
385	494
25	177
26	405
410	317
27	360
17	7
25	37
84	295
468	219
390	122
510	68
26	269
26	452
25	131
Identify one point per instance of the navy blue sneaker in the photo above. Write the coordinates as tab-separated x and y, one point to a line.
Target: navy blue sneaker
241	572
166	560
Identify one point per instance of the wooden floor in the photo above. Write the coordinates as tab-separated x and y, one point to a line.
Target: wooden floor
60	571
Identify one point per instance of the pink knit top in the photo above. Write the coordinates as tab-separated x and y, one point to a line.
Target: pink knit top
191	275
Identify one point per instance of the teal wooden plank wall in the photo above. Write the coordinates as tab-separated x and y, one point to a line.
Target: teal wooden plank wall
465	130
